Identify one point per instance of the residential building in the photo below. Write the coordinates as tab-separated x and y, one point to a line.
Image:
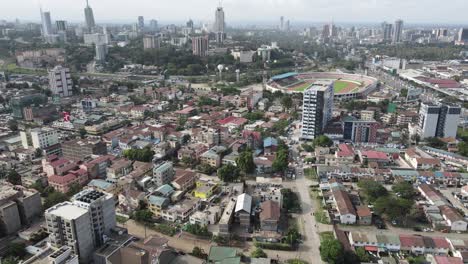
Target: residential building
317	109
40	138
200	46
204	190
227	217
438	120
454	220
243	210
18	207
345	209
102	212
184	180
360	131
71	225
151	42
163	173
60	81
156	204
79	149
213	156
270	216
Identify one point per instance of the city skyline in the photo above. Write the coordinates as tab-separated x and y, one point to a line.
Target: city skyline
260	11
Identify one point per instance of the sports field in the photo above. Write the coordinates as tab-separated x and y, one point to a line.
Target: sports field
344	86
301	87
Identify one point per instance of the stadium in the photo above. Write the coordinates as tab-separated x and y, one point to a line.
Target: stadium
346	86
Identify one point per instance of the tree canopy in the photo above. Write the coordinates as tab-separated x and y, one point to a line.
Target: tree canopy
228	173
245	162
143	155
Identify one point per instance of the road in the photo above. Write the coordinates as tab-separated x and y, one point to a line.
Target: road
309	250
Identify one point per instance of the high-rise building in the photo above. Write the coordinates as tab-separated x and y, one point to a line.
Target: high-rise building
438	120
387	31
360	131
151	42
101	207
153	24
79	149
46	24
200	46
462	37
70	225
89	18
141	23
60	81
397	31
219	20
317	109
61	25
83	223
282	23
101	52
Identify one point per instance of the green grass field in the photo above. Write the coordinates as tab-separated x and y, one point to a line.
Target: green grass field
303	87
340	86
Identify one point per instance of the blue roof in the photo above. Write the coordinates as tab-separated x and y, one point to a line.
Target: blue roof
102	184
269	141
283	76
157	200
165	190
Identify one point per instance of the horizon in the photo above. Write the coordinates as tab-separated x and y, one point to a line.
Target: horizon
264	11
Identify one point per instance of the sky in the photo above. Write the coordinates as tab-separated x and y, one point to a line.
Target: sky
247	11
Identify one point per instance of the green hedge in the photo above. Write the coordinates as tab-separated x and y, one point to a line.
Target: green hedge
277	246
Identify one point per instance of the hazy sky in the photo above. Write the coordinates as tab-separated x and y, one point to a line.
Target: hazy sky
412	11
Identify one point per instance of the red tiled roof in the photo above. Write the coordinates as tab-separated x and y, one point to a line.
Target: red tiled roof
343	202
345	150
59	162
441	242
233	120
448	260
372	154
363	211
270	211
62	179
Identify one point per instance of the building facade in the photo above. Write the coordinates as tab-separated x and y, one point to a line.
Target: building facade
438	120
317	109
60	81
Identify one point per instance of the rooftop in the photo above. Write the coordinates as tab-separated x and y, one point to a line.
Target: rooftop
67	210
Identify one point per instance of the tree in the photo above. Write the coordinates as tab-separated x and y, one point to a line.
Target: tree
54	198
198	230
372	190
258	253
245	162
322	141
292	236
394	208
143	216
13	177
205	168
404	190
13	125
280	163
82	133
199	253
228	173
16	250
436	143
74	189
143	155
362	255
331	251
287	101
38	153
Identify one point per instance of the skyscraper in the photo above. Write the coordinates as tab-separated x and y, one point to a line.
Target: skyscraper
60	82
219	20
141	23
397	31
438	120
101	52
317	109
463	35
46	24
61	25
153	24
200	46
281	23
387	31
89	18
